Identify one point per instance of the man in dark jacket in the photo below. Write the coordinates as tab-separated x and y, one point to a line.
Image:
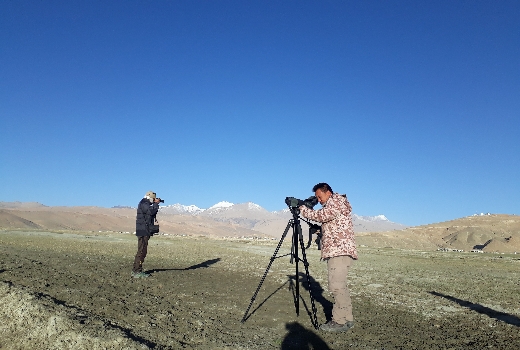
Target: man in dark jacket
146	212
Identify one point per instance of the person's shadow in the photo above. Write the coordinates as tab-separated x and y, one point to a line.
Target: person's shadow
202	265
501	316
300	338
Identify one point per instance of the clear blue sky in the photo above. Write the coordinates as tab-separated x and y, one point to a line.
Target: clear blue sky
411	108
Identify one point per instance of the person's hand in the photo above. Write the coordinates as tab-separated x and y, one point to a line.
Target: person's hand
157	200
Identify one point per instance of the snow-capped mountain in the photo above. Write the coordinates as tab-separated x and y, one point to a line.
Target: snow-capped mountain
221	205
370	218
180	209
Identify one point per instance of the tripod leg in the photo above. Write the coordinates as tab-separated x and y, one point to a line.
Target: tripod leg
289	224
308	277
296	234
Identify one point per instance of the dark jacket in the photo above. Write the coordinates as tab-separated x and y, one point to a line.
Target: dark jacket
146	213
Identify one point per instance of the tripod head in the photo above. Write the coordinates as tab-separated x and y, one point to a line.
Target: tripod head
294	205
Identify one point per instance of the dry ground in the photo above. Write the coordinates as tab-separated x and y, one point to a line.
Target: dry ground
74	291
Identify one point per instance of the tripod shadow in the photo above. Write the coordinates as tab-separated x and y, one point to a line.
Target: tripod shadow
300	338
501	316
247	315
202	265
317	293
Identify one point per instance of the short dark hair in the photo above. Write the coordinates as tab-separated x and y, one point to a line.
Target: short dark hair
324	187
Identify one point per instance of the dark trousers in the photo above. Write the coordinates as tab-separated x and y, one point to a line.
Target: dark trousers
142	249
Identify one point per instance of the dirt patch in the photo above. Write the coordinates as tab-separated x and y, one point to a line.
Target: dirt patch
32	319
68	291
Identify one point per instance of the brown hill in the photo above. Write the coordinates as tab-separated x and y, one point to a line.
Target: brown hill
490	233
67	218
112	219
13	205
11	220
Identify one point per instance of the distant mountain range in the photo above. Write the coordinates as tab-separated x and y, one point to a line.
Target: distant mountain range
487	233
253	216
249	216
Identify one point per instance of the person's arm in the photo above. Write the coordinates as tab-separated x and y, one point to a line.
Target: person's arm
324	214
154	208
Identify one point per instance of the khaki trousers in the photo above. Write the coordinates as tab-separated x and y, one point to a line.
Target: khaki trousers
338	267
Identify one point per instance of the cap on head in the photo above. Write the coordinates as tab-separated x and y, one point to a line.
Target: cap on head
150	195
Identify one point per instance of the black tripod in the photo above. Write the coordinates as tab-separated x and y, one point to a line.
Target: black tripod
297	237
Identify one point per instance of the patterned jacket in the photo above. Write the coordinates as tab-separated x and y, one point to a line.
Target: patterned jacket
338	231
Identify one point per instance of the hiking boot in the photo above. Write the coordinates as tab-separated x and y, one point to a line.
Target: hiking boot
332	326
140	275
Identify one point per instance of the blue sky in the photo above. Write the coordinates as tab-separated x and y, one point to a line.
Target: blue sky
412	109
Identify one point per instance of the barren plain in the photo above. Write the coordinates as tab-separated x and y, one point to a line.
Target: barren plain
73	290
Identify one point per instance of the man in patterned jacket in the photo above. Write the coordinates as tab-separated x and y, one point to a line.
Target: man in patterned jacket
338	249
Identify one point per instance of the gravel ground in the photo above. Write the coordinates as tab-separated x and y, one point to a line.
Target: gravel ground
74	291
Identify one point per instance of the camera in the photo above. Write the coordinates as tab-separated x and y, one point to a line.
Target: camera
160	200
295	202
